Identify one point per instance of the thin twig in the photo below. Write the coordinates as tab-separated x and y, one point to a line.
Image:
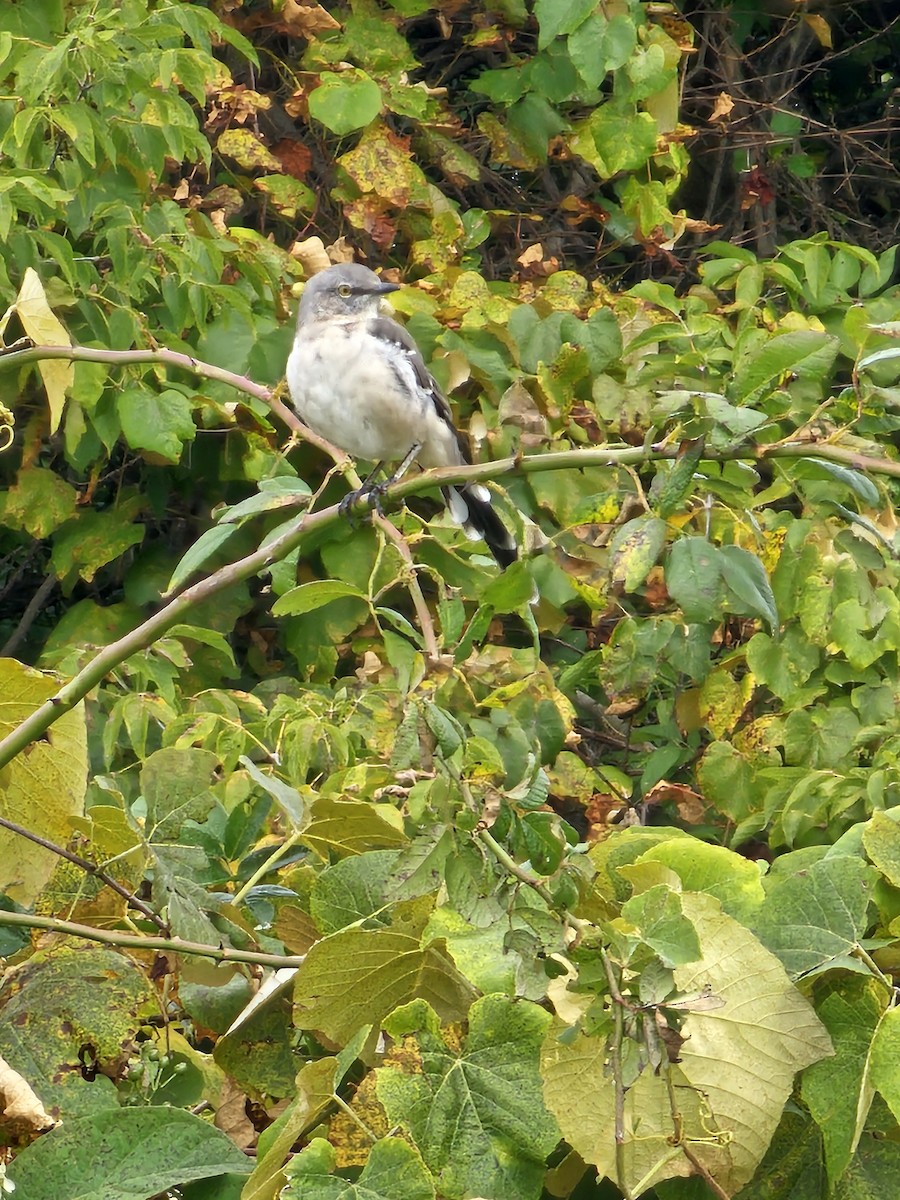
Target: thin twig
175	945
34	606
412	582
89	867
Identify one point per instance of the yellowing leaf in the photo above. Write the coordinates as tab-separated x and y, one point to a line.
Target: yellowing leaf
45	329
737	1068
43	786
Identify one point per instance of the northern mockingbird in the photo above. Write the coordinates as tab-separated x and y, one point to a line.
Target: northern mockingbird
357	378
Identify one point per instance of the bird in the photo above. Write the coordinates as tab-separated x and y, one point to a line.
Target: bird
357	378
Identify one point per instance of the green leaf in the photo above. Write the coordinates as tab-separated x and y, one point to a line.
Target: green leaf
556	17
836	1090
40	1040
158	423
345	101
273	494
393	1171
124	1154
205	547
474	1111
658	915
600	45
356	977
816	916
804	352
39	502
734	881
746	579
694	578
861	485
352	890
624	140
175	783
310	596
634	549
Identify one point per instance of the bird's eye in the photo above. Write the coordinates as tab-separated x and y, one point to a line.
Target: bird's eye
344	290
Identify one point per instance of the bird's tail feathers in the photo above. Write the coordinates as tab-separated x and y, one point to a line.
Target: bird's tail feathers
471	507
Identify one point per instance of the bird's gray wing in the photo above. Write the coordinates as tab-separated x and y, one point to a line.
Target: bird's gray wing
393	332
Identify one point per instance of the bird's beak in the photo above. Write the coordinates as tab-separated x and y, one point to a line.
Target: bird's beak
384	288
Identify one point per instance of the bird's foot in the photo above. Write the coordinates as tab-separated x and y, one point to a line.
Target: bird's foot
370	492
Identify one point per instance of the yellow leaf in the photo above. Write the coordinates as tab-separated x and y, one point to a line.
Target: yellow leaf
820	28
45	329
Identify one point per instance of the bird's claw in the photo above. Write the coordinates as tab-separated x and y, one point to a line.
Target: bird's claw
371	493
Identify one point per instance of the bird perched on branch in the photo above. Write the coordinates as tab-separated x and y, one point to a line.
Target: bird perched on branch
357	378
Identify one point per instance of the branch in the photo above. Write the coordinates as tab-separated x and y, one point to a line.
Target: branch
598	456
134	941
16	356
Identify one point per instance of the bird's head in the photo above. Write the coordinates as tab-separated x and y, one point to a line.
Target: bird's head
345	290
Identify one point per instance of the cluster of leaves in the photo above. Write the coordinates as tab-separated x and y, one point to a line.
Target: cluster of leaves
514	845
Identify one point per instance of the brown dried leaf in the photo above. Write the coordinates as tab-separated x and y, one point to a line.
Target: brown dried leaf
20	1105
311	254
722	107
306	20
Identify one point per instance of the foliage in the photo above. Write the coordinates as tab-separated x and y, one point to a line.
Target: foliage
602	887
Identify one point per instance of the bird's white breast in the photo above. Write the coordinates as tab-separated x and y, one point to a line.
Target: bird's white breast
345	386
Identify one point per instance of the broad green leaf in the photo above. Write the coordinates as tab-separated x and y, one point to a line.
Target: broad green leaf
556	17
804	352
175	783
310	596
746	578
734	881
125	1154
92	539
39	502
737	1068
475	1110
353	891
600	45
624	140
838	1091
316	1084
784	666
816	916
341	827
659	918
357	977
393	1171
480	952
245	147
66	999
634	549
45	329
43	786
345	101
160	423
694	578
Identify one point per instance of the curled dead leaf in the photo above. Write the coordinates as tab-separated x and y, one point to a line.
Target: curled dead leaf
307	20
